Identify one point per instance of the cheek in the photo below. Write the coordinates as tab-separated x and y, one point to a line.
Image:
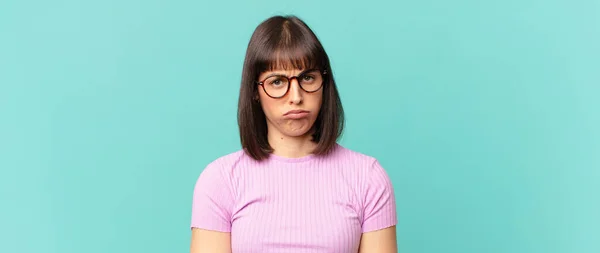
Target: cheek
315	101
268	105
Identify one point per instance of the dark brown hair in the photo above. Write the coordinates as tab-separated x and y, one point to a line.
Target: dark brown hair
286	42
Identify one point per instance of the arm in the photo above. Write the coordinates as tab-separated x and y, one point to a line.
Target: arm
379	241
207	241
213	200
379	208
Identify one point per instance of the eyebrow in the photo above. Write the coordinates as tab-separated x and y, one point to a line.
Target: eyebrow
280	74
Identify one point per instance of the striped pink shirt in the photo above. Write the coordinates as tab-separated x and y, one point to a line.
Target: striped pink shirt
307	204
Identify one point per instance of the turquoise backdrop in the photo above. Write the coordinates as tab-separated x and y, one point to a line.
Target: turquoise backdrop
485	114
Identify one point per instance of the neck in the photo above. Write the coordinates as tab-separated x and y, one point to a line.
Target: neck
289	146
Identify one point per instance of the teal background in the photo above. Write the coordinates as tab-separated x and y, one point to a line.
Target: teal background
485	114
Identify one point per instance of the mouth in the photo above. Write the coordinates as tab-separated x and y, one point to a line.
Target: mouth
296	114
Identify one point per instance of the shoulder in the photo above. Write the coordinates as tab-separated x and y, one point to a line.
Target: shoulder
225	165
368	166
227	160
361	166
352	157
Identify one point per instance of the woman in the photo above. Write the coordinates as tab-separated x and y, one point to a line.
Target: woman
292	187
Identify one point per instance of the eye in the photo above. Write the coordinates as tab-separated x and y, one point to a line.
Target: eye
277	81
308	78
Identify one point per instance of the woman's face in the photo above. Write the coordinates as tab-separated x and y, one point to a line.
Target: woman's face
295	113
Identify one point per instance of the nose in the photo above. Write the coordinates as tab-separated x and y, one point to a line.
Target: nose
296	96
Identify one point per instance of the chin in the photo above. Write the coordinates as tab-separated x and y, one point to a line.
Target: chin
294	128
295	133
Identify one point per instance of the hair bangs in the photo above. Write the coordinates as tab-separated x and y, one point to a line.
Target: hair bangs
293	50
291	58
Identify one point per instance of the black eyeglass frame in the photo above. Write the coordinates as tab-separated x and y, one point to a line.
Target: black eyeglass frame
297	77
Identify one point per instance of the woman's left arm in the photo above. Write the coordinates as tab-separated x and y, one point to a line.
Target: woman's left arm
379	213
379	241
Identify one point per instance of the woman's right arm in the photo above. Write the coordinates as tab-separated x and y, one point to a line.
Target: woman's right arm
208	241
212	205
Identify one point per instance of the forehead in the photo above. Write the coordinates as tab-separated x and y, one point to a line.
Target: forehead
297	58
287	61
288	66
286	72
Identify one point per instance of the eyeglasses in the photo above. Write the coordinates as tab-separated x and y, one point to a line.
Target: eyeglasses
276	86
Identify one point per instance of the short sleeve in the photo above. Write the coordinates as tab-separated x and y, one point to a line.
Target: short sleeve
213	200
379	209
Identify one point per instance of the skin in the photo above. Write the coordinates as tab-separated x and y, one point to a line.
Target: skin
291	138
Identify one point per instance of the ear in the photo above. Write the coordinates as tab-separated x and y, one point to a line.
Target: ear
256	98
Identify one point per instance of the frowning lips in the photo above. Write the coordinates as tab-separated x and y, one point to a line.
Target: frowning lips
295	112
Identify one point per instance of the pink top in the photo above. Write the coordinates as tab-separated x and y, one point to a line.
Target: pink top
307	204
